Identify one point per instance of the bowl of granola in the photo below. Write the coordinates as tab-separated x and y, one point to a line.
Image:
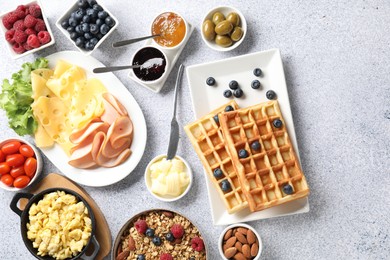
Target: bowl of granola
159	234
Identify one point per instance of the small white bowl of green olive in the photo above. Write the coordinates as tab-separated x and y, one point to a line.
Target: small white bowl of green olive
223	28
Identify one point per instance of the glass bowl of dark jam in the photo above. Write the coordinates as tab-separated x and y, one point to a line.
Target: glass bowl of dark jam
153	63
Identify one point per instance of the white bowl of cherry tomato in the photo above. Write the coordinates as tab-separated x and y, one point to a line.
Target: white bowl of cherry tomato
20	164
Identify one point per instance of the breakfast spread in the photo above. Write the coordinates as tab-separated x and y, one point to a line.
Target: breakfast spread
171	28
240	243
153	64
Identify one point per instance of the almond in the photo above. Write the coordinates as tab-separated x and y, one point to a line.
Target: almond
224	247
246	251
251	237
131	244
239	256
241	237
228	234
242	230
230	252
254	249
238	245
177	241
123	255
168	214
231	241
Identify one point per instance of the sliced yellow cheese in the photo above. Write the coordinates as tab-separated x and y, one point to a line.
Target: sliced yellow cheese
42	138
61	67
38	81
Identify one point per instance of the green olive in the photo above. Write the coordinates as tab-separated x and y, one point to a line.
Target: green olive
234	18
224	27
236	34
223	41
218	17
208	30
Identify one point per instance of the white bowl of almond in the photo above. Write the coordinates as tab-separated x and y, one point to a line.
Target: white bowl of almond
240	241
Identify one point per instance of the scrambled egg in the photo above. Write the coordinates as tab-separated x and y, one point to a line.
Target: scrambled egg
59	226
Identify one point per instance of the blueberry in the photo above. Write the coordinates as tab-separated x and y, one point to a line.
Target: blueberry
65	24
91	2
169	236
78	29
109	21
99	22
89	46
85	27
257	72
238	93
94	41
72	21
225	185
229	108
80	41
270	94
218	173
157	241
256	145
74	35
88	36
79	14
227	93
255	84
243	153
233	84
102	14
141	257
210	81
150	232
97	7
277	123
87	19
216	119
104	29
82	3
288	189
94	29
70	29
93	13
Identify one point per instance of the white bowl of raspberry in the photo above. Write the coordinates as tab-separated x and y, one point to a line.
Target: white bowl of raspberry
26	29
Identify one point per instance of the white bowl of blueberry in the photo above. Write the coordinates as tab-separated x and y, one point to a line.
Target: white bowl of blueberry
87	24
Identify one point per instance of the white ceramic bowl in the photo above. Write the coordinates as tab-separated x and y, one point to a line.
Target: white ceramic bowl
148	181
220	240
182	41
67	14
39	164
15	55
225	10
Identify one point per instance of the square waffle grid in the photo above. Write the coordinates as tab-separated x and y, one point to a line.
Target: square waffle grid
206	137
264	173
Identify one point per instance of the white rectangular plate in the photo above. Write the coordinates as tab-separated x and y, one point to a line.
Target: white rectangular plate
207	98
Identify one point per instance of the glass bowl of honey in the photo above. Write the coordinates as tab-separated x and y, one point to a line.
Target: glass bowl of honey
172	28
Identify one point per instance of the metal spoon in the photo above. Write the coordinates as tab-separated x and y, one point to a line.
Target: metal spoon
126	42
114	68
174	136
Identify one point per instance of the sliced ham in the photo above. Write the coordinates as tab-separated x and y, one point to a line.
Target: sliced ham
78	136
115	103
120	132
82	158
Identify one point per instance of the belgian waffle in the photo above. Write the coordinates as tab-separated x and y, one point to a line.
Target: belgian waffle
206	137
271	175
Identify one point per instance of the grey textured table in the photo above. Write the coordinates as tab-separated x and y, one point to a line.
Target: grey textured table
336	60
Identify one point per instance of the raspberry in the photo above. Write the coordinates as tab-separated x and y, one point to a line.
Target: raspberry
177	231
141	226
21	11
33	41
40	26
9	20
27	47
166	256
30	21
20	36
19	25
18	48
9	36
197	244
44	37
35	10
29	31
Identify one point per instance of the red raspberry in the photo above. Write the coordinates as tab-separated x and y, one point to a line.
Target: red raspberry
20	36
197	244
9	20
166	256
40	26
9	36
27	47
44	37
33	41
35	10
177	231
18	48
29	31
21	11
141	226
30	21
19	25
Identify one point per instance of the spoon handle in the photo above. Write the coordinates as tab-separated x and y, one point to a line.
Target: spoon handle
114	68
126	42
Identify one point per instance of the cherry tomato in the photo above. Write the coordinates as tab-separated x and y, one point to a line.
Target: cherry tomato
4	168
15	160
26	150
21	181
17	171
30	166
7	179
2	156
11	147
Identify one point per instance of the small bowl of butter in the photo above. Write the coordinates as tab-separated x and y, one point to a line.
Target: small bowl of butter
168	180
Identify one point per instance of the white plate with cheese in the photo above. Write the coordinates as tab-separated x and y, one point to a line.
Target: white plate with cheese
100	176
